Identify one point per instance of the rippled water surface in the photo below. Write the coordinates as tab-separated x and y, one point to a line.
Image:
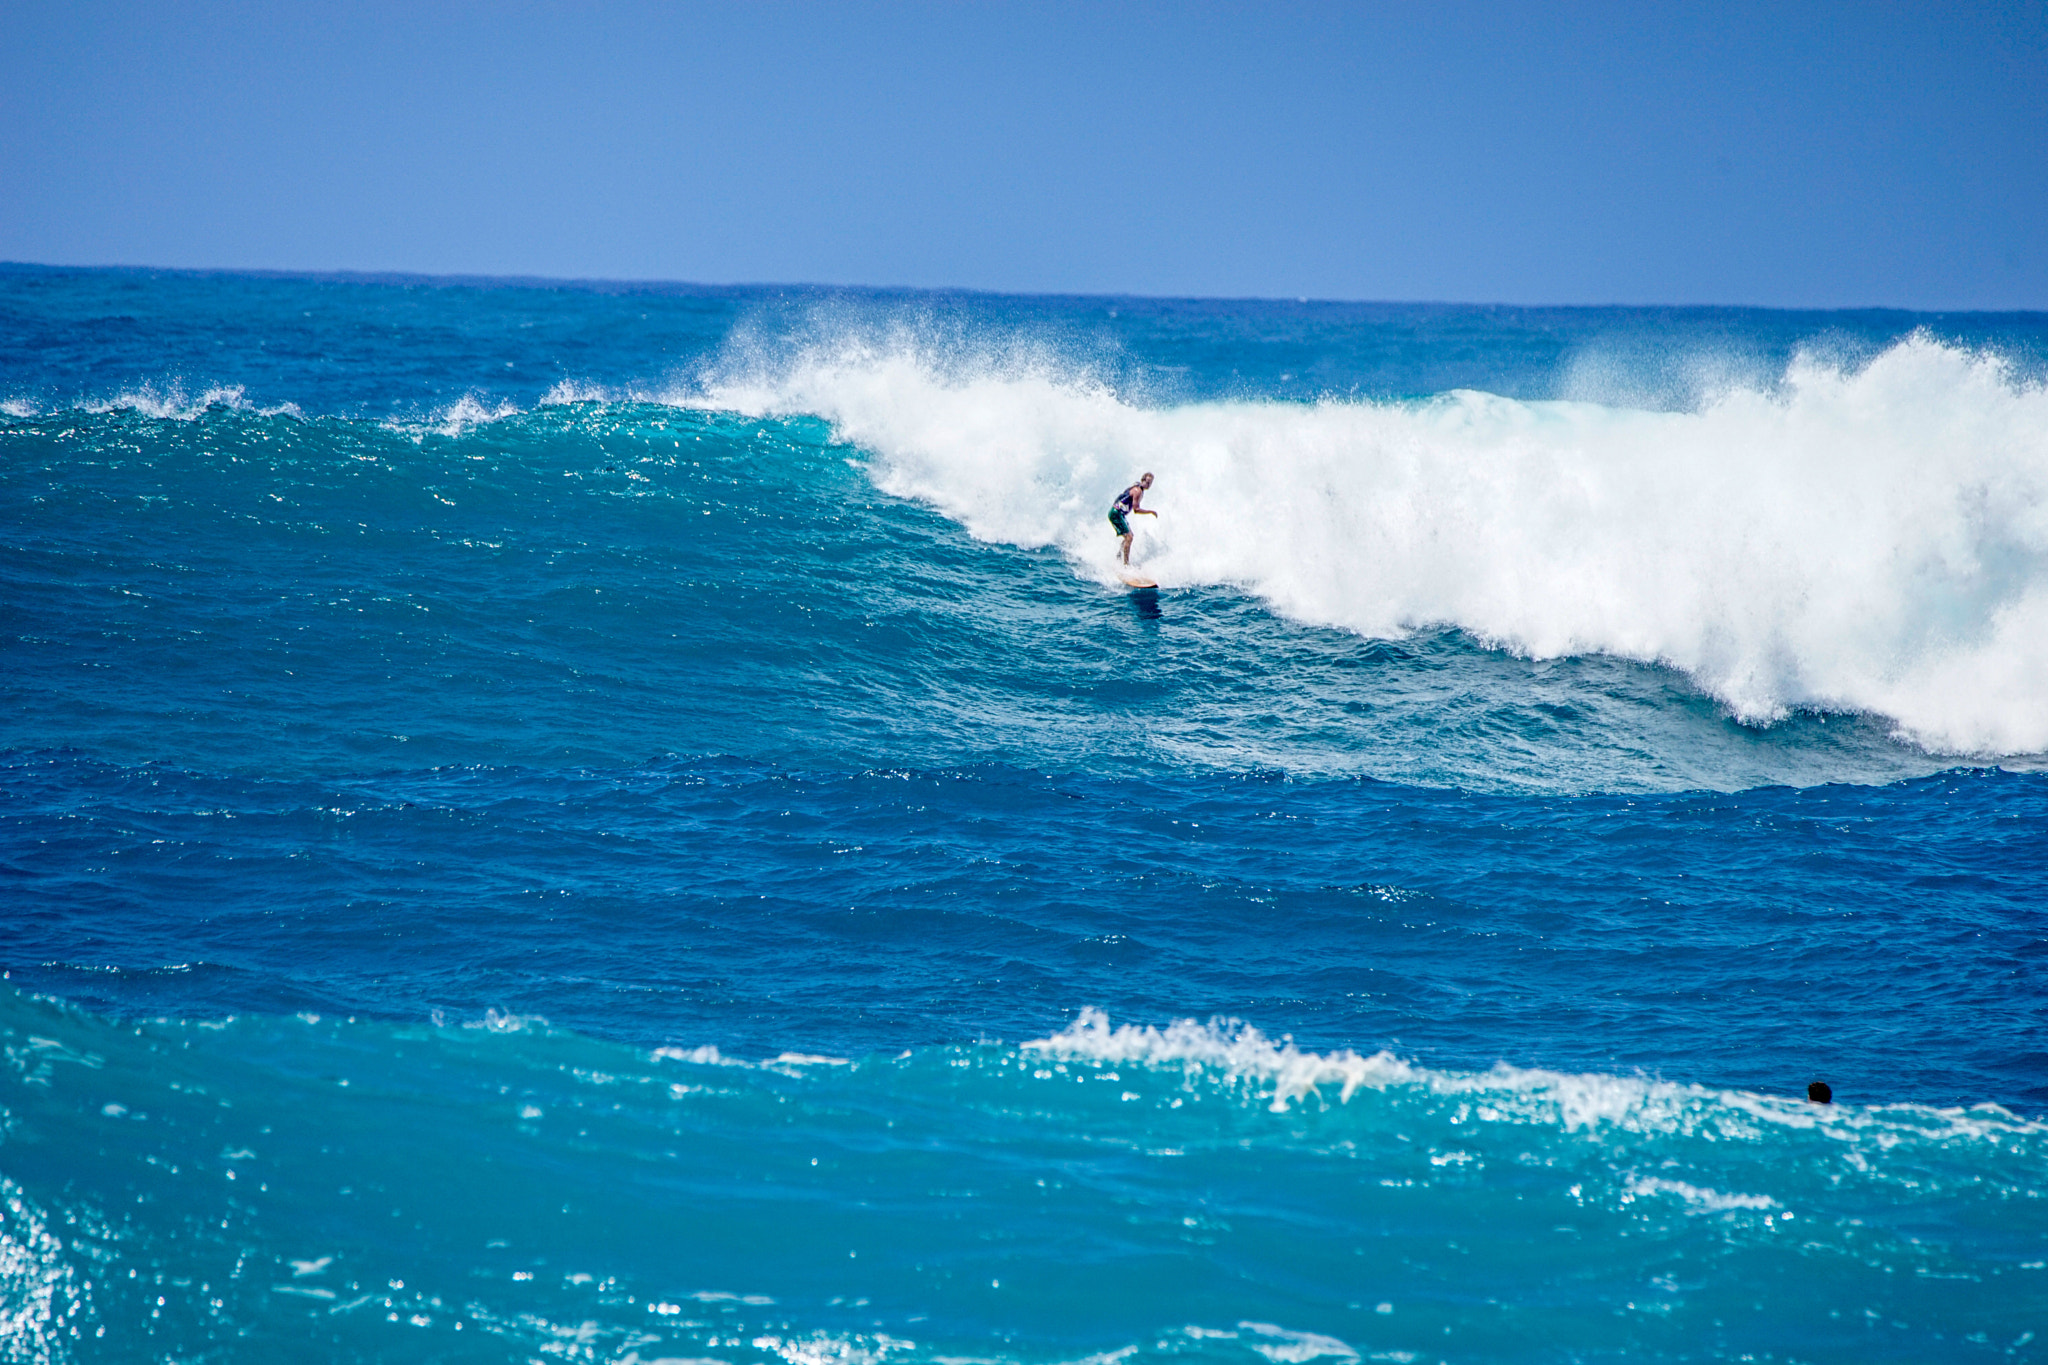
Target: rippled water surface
611	824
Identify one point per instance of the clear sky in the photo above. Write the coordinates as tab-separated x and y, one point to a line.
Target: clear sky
1798	154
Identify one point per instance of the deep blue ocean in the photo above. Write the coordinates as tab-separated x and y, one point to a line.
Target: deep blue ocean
578	823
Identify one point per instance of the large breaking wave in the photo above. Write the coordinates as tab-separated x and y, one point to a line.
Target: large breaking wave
1867	538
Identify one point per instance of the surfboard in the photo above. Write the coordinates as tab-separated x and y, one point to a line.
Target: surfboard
1135	580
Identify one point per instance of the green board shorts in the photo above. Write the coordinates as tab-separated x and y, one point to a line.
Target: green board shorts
1116	519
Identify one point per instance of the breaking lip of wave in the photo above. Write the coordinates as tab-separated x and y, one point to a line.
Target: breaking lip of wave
459	417
172	401
169	401
1282	1075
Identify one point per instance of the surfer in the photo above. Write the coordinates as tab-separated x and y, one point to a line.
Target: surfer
1125	507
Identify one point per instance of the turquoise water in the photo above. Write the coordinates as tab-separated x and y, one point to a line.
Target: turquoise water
611	824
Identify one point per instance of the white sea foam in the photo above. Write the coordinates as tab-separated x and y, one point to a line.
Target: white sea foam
567	391
1700	1200
1284	1074
469	411
466	413
835	1348
500	1021
1868	539
171	401
1235	1049
1284	1347
788	1063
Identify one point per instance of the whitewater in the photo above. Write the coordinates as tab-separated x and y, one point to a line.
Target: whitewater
636	823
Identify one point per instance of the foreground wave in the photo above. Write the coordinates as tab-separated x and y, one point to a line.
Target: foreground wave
1879	936
500	1189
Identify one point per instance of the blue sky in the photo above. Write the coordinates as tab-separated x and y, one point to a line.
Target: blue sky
1790	154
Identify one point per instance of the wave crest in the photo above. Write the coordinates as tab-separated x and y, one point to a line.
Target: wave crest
1284	1075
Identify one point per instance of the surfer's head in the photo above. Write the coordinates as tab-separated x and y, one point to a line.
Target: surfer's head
1145	479
1820	1093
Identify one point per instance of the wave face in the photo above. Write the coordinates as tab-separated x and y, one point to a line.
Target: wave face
604	583
497	782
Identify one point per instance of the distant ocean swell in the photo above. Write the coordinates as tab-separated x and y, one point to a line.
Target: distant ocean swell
353	1189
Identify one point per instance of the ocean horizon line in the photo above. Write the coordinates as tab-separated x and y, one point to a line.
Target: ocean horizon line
617	286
